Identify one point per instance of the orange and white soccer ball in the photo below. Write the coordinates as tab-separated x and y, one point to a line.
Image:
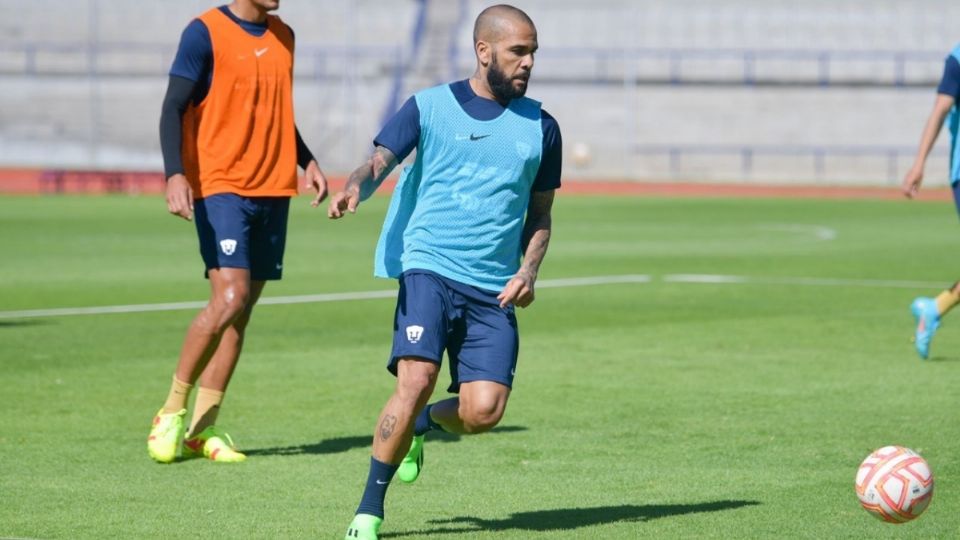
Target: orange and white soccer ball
895	484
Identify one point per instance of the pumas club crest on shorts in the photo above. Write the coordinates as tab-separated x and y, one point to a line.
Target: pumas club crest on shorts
414	333
228	246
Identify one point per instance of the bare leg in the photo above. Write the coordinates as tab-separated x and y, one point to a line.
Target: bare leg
230	292
478	409
415	381
216	376
220	367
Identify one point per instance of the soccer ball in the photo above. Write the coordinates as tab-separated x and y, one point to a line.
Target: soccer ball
894	484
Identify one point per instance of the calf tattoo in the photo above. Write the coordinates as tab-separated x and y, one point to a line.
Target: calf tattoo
387	425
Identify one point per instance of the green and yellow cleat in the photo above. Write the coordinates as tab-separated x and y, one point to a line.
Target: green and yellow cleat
214	445
412	463
165	436
363	527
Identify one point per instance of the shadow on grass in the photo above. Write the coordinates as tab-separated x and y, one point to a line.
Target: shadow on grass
21	322
939	359
343	444
570	518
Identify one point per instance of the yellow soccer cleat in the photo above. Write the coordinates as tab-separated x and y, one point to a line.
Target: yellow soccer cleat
165	436
214	445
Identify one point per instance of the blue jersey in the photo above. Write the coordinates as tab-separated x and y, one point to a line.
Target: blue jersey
950	86
459	209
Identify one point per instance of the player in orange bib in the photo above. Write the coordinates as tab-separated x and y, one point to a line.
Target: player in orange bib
231	151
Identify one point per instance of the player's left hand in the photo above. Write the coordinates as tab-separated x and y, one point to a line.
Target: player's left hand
519	290
911	182
315	179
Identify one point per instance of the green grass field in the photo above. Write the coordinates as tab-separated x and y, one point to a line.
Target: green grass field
667	409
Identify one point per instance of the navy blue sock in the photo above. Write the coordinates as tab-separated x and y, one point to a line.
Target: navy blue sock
377	483
424	423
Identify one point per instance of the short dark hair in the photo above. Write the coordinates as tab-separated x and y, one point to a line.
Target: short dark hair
489	17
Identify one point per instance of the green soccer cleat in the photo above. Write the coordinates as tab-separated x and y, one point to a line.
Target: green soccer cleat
412	463
165	436
363	527
214	445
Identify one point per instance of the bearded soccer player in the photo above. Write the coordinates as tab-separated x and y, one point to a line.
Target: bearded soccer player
928	311
230	151
475	203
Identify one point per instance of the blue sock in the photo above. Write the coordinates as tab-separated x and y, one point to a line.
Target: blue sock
424	423
377	483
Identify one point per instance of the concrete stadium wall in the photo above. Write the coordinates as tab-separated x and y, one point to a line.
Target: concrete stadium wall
61	115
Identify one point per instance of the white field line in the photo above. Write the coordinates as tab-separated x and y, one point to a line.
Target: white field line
803	281
304	299
820	232
704	278
545	284
595	280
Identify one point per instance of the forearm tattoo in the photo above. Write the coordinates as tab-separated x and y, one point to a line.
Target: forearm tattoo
536	230
368	177
387	425
536	251
381	163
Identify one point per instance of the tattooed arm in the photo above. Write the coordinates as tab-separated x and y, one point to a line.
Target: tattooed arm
362	182
536	238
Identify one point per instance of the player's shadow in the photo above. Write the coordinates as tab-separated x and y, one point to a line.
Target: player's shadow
570	518
344	444
20	322
944	359
326	446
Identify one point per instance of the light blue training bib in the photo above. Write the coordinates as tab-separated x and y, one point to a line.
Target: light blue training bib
953	124
459	209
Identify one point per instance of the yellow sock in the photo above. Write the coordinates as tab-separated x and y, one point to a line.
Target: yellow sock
205	410
177	398
946	300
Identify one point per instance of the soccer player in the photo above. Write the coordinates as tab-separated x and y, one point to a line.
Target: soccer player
230	151
929	311
476	200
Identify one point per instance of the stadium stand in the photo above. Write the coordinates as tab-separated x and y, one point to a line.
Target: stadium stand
746	90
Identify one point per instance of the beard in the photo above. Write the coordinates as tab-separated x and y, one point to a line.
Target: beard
502	85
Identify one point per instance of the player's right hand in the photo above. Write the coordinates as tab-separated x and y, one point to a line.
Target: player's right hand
912	181
180	197
344	201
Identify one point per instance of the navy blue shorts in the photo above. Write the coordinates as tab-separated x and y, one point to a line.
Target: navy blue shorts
435	314
956	195
243	232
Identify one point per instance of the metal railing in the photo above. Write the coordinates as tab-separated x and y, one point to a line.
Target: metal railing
151	59
573	64
736	66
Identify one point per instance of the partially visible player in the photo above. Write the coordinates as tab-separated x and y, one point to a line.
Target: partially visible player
230	151
475	202
927	311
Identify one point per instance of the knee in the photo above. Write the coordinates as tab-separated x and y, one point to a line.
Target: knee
480	417
241	320
230	304
416	384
